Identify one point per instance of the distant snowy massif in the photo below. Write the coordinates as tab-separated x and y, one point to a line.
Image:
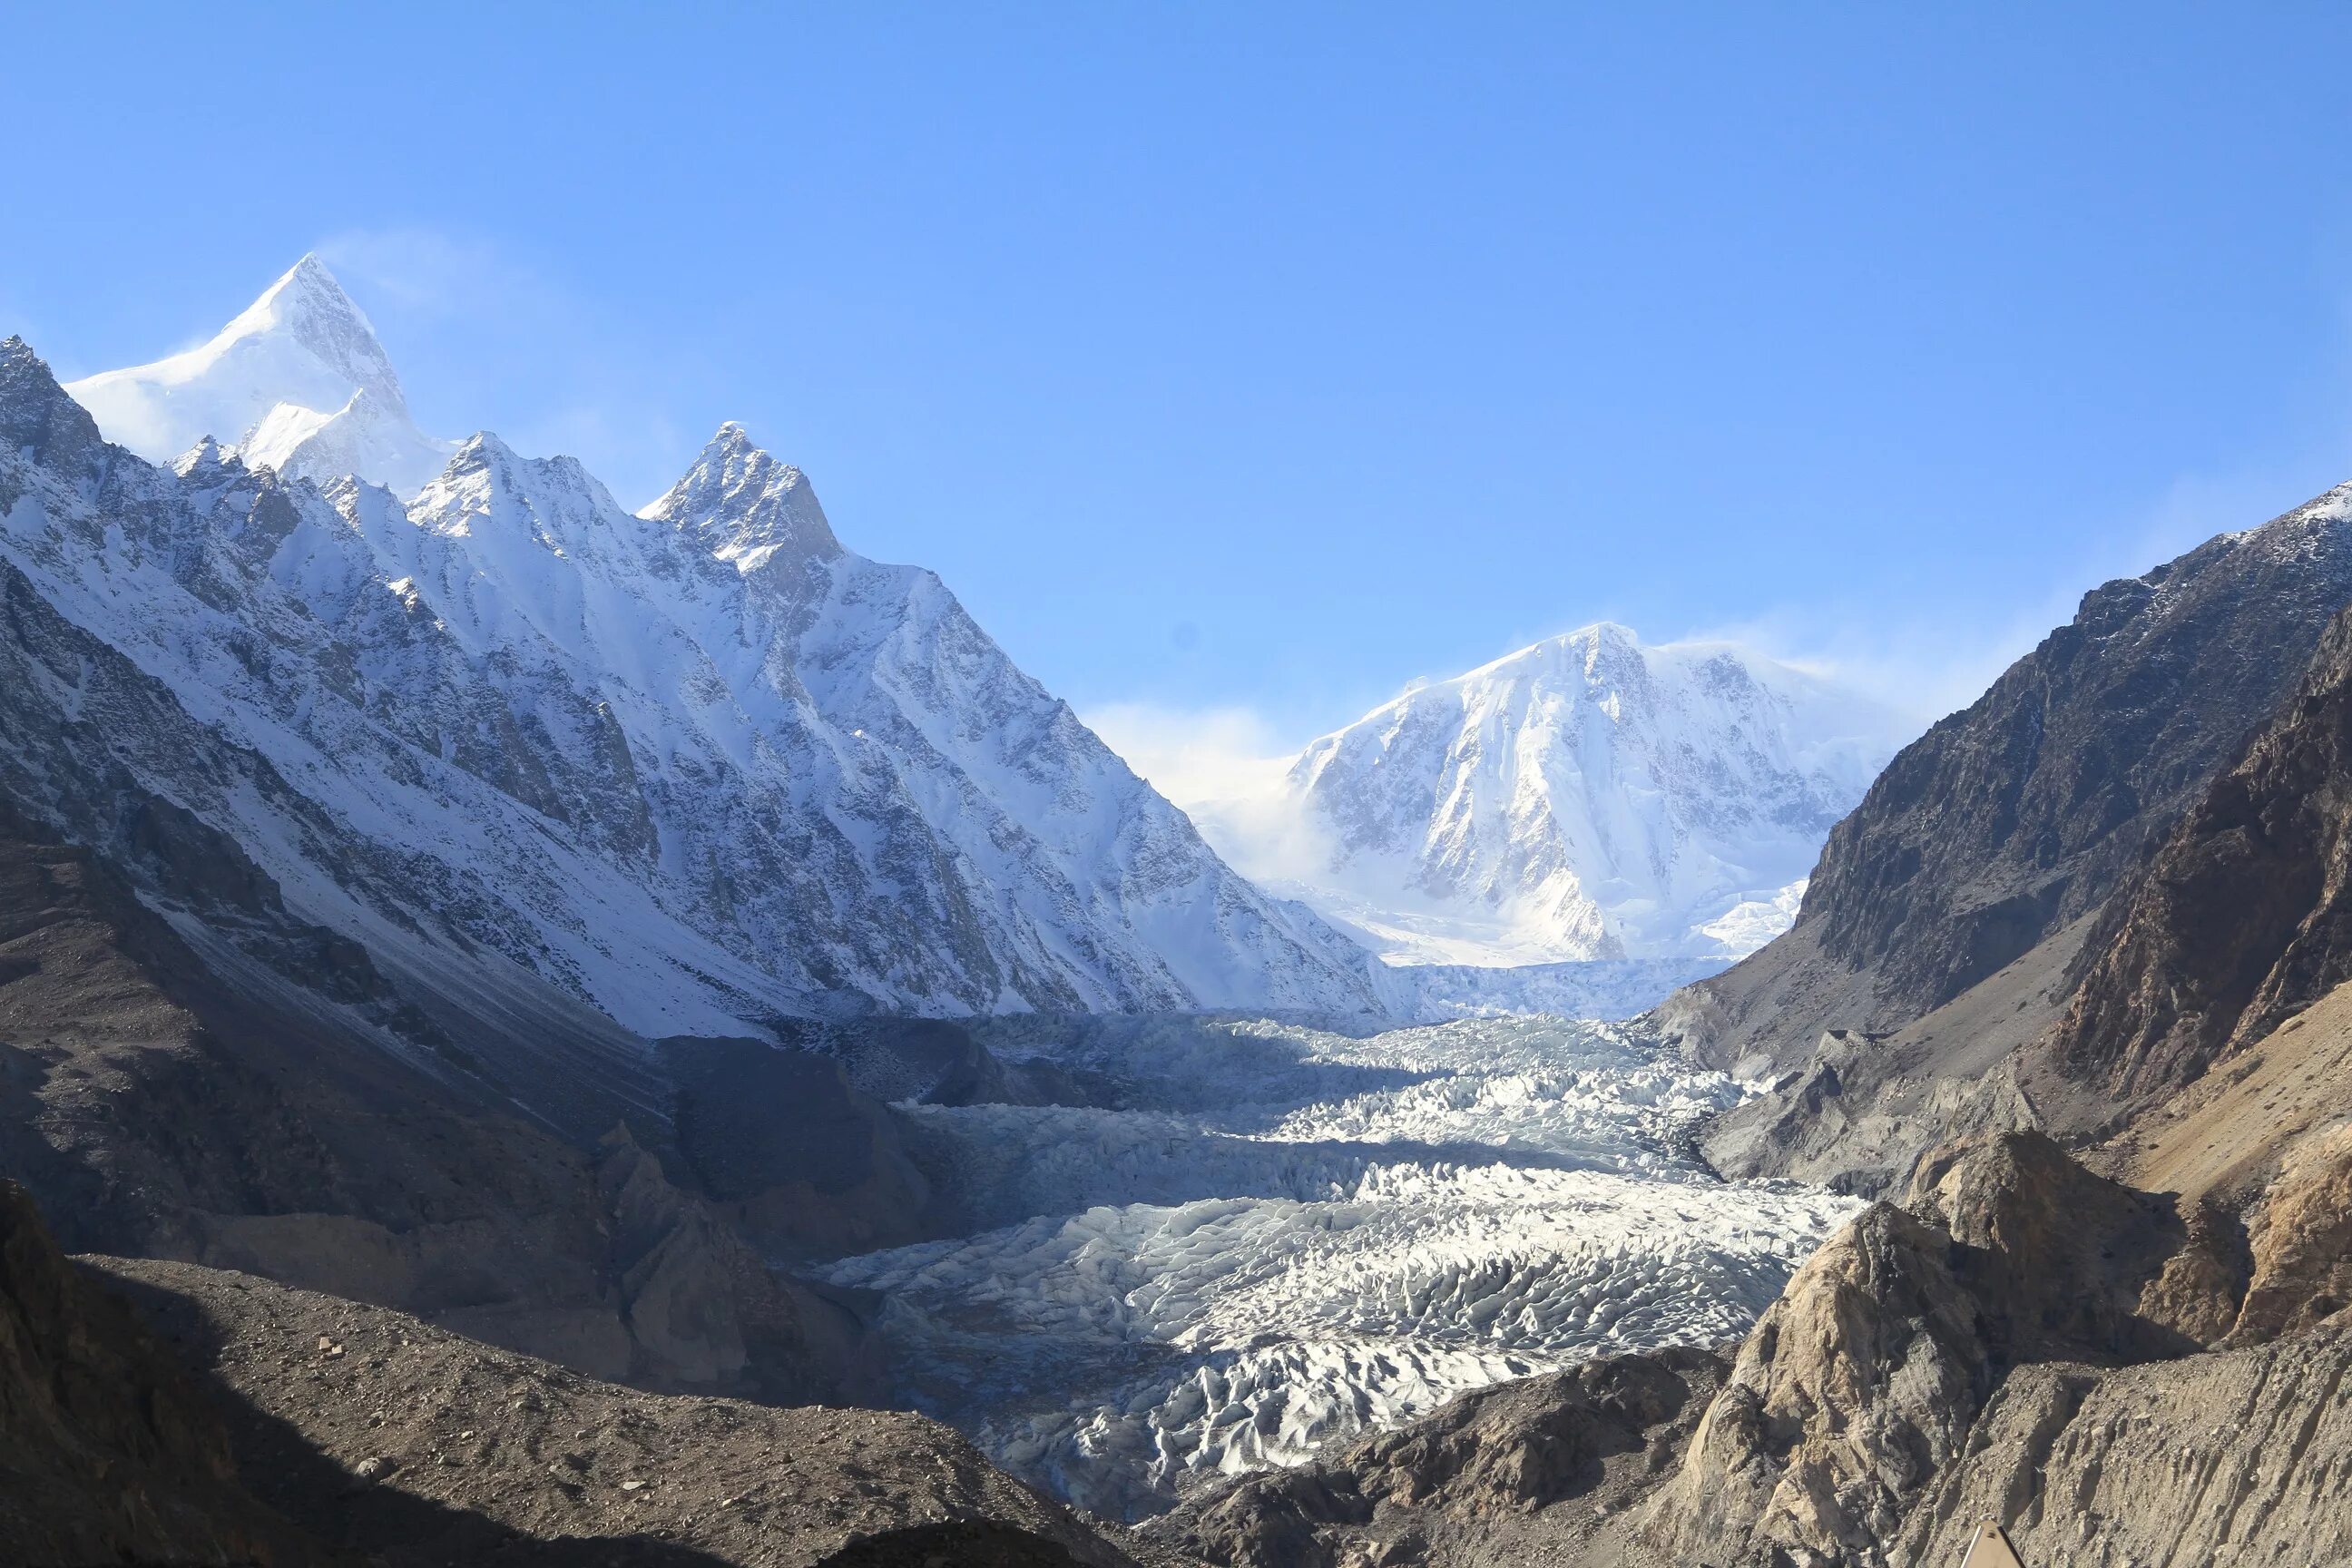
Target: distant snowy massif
1590	799
793	780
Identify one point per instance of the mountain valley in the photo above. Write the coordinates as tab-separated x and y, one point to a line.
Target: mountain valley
565	1036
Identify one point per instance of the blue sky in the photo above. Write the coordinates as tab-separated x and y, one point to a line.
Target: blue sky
1244	362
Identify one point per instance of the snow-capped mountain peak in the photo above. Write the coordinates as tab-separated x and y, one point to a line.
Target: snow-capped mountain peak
699	769
297	380
489	488
1589	797
308	307
745	506
208	459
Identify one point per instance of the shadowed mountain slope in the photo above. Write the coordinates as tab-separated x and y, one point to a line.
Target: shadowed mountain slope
2013	818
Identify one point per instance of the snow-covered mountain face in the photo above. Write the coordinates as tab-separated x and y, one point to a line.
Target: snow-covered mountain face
699	768
1586	798
297	382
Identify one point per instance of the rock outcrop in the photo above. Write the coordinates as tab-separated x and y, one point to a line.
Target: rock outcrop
2239	1456
1856	1387
1515	1473
1861	1385
2302	1245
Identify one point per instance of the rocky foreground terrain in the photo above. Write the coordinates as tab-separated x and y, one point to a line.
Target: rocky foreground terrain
2109	1374
165	1413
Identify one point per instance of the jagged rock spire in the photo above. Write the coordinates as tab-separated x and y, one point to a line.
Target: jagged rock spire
745	506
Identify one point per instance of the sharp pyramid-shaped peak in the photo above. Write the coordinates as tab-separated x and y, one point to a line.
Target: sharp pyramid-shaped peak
745	506
308	305
297	380
206	460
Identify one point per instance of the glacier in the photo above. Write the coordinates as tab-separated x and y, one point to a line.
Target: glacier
1282	1236
1588	799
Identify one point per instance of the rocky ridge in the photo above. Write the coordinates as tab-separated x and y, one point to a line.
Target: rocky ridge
2011	820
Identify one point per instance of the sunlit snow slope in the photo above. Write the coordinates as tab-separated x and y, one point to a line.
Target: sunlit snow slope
296	382
1587	798
1284	1236
701	767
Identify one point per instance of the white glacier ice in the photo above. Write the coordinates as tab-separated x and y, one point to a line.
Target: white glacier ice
1286	1236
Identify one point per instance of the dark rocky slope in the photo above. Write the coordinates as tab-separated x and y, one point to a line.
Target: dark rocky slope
418	1448
153	1110
108	1451
2009	821
1978	898
2235	919
2242	918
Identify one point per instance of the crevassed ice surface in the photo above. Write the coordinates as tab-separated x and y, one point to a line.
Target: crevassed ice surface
1288	1236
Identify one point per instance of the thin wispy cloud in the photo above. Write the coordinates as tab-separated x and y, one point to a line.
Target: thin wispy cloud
483	335
1194	756
427	275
